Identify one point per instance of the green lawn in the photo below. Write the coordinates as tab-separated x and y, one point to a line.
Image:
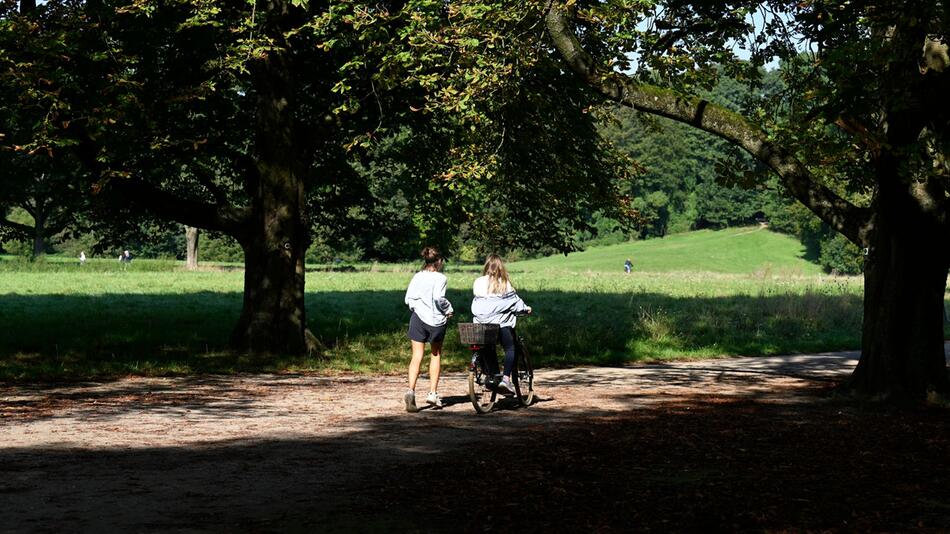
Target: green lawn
88	323
57	263
735	250
154	318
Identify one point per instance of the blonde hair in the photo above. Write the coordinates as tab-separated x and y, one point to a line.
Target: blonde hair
498	279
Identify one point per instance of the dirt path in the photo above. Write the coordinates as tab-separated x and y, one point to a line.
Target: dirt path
277	452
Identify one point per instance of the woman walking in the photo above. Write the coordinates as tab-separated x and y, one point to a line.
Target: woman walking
430	313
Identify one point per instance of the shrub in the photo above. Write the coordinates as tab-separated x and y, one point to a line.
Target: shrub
219	248
841	256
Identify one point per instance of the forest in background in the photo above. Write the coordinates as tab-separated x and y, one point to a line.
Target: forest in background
683	179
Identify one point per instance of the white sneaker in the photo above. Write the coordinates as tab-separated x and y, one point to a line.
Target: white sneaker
505	386
434	399
411	401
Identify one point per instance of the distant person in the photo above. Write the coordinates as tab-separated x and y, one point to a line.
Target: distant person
125	258
496	302
82	258
627	266
430	313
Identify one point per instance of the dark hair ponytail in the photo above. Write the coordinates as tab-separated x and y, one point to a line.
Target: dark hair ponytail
433	260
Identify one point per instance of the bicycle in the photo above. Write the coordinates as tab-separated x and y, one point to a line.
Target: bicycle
482	385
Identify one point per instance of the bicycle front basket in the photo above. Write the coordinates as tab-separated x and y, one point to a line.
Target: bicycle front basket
477	333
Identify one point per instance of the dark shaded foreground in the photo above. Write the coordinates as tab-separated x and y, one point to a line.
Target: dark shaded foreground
801	461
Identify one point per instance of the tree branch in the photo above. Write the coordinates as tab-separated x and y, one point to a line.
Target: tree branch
29	208
164	205
851	221
171	207
16	227
217	193
57	223
860	132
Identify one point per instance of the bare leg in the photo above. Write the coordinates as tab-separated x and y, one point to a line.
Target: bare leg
435	366
418	351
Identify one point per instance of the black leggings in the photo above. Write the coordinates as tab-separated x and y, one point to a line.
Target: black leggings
506	336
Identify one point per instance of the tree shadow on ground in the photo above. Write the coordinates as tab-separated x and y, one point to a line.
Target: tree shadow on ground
209	397
217	396
61	336
820	368
696	463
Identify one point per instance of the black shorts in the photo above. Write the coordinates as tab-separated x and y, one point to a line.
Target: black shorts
423	333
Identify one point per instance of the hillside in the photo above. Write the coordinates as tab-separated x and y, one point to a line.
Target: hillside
734	250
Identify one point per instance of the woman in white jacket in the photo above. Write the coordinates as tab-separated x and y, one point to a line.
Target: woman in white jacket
430	313
496	302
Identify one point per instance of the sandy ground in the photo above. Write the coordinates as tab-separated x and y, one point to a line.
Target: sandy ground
279	452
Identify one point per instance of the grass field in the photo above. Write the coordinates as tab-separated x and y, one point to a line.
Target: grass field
734	250
62	321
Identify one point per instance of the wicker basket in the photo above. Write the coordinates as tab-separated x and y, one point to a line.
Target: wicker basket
478	334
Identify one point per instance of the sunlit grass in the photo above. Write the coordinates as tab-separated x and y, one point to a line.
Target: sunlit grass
735	250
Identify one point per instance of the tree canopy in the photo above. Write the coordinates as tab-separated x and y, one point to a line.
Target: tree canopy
280	122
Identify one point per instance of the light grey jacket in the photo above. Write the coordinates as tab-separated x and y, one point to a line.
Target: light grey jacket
498	309
426	297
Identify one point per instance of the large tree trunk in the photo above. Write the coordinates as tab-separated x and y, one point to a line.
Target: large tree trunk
39	245
39	236
191	248
274	319
902	346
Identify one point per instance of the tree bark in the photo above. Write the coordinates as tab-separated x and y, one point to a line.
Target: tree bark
905	277
274	318
902	345
39	236
39	244
191	248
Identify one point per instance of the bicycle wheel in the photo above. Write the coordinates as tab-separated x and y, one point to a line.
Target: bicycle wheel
483	398
523	377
